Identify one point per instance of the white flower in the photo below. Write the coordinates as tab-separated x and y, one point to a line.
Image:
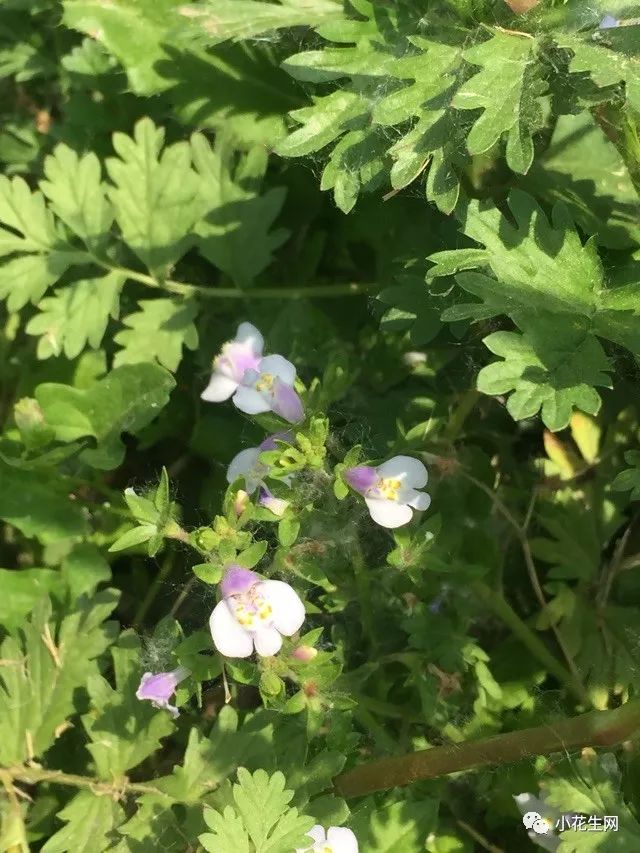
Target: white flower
269	388
337	839
245	464
391	490
237	356
539	820
254	612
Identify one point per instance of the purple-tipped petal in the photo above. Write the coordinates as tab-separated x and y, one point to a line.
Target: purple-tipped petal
159	688
271	441
237	581
361	478
278	506
286	402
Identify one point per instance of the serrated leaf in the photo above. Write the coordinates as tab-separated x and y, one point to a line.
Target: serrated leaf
322	123
156	196
158	332
90	821
76	315
239	216
45	255
127	399
124	730
398	828
552	369
606	67
506	90
540	265
76	193
262	816
134	32
43	667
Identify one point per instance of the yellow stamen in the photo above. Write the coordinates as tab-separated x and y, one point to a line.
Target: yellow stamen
389	488
265	383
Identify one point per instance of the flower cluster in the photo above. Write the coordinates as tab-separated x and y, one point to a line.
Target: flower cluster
254	613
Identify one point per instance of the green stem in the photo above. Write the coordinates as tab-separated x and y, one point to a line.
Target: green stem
501	607
154	589
461	413
184	289
33	775
593	729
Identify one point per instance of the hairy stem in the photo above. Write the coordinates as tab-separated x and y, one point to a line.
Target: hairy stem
593	729
116	789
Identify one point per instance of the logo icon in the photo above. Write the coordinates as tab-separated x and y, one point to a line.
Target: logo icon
538	824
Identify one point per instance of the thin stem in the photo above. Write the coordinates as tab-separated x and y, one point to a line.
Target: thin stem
184	289
480	839
461	413
117	789
500	606
154	589
593	729
531	570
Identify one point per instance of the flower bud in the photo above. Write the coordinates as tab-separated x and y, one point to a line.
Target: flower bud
304	653
240	502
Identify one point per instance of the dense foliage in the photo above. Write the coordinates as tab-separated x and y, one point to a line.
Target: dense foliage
262	266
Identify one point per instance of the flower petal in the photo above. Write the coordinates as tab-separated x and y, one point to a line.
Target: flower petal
229	638
244	464
219	388
268	642
361	477
342	840
250	401
418	500
287	403
248	334
406	468
318	834
277	365
288	609
388	513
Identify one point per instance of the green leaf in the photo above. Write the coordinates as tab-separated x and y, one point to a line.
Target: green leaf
76	193
243	19
606	67
252	555
22	589
239	216
45	255
552	369
44	666
207	572
127	399
288	529
538	265
507	90
76	315
134	537
38	504
90	821
134	32
322	123
158	332
398	828
156	197
124	730
629	480
261	816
